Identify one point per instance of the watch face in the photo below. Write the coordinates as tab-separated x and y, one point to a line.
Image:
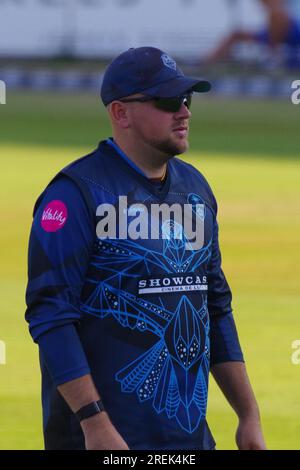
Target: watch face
100	405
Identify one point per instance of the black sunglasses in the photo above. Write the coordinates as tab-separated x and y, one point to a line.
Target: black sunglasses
171	105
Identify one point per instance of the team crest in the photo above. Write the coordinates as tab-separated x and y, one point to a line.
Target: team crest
198	205
168	61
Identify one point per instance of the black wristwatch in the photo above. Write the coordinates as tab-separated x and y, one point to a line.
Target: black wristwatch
90	410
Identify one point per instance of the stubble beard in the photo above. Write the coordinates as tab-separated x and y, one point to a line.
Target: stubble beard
170	148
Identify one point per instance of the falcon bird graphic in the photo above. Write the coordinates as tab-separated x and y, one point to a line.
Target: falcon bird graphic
173	373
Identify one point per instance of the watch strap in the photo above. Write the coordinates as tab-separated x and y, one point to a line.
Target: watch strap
90	410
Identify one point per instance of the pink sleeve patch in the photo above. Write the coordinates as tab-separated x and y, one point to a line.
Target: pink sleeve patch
54	216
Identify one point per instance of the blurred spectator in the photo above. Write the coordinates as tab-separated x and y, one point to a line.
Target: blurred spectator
283	28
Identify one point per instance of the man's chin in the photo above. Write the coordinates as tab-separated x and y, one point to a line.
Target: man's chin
174	148
182	147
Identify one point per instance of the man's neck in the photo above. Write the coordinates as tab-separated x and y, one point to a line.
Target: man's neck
153	166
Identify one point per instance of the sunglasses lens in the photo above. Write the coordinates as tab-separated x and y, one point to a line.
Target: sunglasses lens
188	101
173	105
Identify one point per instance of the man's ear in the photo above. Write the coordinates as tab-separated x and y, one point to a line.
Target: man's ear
119	114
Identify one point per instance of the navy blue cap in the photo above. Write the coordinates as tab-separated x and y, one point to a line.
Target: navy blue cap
149	71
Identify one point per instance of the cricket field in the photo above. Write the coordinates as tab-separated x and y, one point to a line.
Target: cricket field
250	153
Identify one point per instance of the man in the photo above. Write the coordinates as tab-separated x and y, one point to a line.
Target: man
283	27
128	305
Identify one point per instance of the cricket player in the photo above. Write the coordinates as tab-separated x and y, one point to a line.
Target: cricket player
283	28
126	299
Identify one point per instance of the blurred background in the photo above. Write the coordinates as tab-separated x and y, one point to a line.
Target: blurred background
245	138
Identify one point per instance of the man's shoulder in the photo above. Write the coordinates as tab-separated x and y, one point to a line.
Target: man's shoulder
84	165
190	178
187	169
96	168
88	169
67	181
92	176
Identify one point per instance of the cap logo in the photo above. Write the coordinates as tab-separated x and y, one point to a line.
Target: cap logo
168	61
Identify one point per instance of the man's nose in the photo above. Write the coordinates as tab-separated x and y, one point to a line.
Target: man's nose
183	112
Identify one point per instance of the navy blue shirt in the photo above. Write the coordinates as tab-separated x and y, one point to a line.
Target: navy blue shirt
146	317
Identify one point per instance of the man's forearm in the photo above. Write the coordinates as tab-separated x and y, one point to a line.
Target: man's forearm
233	380
79	392
99	432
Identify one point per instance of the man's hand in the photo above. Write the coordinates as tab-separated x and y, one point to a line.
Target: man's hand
249	434
100	434
233	380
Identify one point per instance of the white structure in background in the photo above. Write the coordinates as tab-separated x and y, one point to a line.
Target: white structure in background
2	353
103	28
2	92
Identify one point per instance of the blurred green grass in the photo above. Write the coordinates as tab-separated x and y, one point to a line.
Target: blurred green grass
234	127
248	151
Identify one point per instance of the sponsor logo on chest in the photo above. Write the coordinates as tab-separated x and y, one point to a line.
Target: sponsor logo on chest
174	283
